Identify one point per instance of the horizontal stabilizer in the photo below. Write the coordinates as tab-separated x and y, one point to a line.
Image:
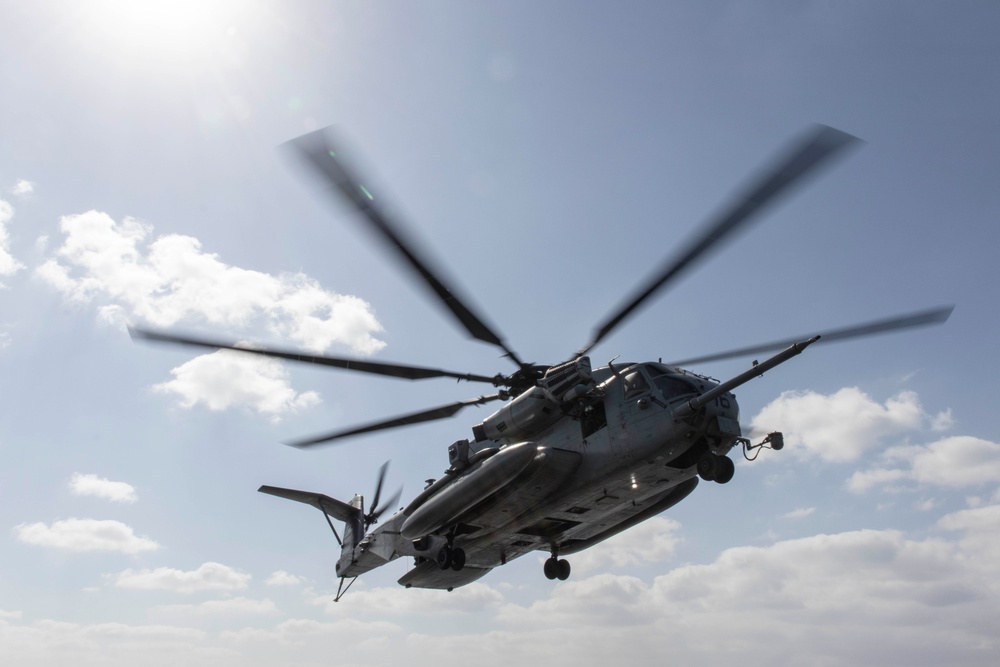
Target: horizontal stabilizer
336	508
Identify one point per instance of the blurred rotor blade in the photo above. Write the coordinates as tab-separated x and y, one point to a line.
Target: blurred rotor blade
378	485
394	370
805	156
442	412
919	319
317	151
376	511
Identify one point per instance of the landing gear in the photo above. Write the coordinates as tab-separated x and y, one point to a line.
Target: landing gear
450	557
457	558
556	568
706	466
712	467
724	469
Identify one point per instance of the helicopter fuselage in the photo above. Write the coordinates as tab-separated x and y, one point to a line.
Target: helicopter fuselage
624	450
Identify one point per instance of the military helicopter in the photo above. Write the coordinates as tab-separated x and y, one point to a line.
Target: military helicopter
576	454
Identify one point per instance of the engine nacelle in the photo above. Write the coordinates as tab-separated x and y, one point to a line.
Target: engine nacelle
541	406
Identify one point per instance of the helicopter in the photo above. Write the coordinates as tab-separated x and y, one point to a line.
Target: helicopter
576	454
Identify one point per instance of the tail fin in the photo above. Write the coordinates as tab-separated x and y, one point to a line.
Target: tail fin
352	514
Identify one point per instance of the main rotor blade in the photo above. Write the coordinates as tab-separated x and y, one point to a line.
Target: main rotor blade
805	156
441	412
919	319
316	150
405	372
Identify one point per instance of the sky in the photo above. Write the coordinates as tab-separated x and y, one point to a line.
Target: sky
548	155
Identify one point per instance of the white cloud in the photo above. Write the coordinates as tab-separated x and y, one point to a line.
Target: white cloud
942	421
800	513
226	379
92	485
282	578
956	462
23	187
238	606
49	642
652	541
171	279
842	426
208	577
850	598
85	535
8	265
397	601
349	635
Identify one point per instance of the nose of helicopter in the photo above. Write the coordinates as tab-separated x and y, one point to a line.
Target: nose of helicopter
723	417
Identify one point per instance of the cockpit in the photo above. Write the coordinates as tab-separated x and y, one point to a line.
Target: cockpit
670	384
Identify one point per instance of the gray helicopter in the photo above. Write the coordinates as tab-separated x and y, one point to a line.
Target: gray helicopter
576	454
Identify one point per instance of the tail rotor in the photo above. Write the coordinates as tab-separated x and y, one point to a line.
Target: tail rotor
377	510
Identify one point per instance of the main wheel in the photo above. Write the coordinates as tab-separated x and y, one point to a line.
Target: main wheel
706	466
444	557
562	569
551	568
457	559
724	469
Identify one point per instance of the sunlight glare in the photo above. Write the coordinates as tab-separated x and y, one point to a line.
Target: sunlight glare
170	32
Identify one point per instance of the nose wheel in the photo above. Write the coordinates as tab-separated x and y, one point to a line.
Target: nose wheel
556	568
712	467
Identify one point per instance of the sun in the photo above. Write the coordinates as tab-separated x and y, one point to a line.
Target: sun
172	32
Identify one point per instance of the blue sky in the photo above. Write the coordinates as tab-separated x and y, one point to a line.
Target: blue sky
549	155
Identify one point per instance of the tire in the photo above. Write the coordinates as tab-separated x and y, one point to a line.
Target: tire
444	558
724	469
457	559
706	466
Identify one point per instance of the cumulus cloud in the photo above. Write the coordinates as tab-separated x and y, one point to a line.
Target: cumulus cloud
845	425
92	485
848	598
23	187
130	276
840	599
85	535
397	600
282	578
226	379
956	462
652	541
170	279
208	577
238	606
8	265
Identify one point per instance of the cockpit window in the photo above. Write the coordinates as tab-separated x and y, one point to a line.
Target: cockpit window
635	383
673	387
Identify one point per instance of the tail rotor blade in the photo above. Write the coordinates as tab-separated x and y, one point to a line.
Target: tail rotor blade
378	485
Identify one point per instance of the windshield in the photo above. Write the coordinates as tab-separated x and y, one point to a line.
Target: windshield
674	387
